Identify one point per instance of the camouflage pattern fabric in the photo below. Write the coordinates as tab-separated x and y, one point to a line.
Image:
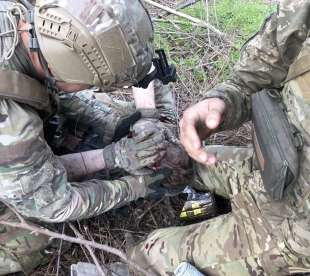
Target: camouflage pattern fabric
142	149
259	236
35	182
175	158
86	112
239	243
20	250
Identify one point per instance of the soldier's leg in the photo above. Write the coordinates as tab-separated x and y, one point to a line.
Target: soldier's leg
235	244
238	243
230	175
20	250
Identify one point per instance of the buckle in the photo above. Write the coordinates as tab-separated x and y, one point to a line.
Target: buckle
298	140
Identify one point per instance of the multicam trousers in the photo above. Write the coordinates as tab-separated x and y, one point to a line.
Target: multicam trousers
242	242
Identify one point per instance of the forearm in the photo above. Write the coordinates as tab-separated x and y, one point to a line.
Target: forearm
42	190
81	164
144	98
35	182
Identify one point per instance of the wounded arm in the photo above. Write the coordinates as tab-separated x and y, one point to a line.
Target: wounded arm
35	182
82	164
41	190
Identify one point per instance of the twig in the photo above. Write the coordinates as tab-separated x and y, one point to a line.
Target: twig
90	250
150	208
188	17
43	231
207	12
176	21
170	208
186	3
182	5
59	250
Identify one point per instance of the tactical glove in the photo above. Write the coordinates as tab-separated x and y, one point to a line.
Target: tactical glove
150	119
123	126
154	183
175	157
142	150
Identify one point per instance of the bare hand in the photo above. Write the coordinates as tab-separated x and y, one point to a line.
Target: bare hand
198	123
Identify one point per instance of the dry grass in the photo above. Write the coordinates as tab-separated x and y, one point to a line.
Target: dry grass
138	219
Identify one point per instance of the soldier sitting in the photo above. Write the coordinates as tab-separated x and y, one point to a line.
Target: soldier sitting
268	230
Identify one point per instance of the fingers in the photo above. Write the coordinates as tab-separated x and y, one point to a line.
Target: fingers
215	113
188	132
191	141
196	125
152	141
145	135
152	150
149	161
189	136
155	152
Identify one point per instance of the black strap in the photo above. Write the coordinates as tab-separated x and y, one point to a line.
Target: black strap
163	71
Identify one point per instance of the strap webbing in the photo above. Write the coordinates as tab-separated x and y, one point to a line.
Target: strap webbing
299	67
23	89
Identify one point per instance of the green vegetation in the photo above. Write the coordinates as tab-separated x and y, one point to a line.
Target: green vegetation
243	16
202	55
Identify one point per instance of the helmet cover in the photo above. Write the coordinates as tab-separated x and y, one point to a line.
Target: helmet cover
105	43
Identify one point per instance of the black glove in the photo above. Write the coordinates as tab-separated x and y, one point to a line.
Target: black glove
123	127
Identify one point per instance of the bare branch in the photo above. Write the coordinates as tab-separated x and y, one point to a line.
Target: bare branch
20	218
90	250
199	22
186	3
59	250
43	231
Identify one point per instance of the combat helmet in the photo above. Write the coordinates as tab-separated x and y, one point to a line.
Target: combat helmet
103	43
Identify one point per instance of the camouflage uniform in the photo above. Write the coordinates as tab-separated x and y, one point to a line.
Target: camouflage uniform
36	183
259	236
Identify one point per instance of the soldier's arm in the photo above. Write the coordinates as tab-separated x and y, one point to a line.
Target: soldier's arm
85	110
144	98
35	181
264	60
